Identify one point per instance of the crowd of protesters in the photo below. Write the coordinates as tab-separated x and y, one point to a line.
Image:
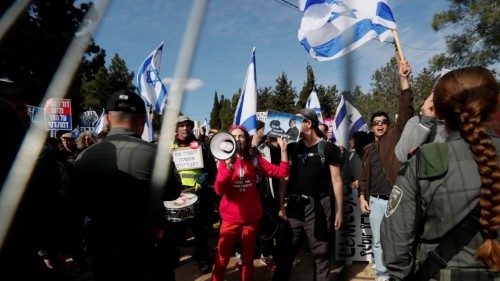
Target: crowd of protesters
430	184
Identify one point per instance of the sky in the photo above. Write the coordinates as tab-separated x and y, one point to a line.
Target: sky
134	28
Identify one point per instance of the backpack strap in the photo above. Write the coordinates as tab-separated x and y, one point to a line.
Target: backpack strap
321	151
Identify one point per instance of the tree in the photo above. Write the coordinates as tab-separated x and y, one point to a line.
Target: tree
284	95
308	87
119	77
478	42
422	87
32	49
226	115
328	99
264	101
385	91
96	91
215	114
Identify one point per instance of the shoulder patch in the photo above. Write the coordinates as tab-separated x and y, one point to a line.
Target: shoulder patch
394	200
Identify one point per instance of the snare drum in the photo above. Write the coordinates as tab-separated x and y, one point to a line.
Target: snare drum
183	208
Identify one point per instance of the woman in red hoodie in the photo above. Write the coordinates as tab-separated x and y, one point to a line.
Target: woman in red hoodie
240	207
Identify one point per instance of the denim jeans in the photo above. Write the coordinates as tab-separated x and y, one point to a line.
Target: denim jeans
377	209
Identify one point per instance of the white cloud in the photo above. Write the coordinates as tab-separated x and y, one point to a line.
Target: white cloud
190	84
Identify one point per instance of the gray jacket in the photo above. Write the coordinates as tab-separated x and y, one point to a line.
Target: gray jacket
448	196
418	130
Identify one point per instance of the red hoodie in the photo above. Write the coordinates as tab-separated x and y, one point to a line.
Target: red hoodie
240	197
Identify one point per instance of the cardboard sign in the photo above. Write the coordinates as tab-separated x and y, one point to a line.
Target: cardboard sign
58	114
354	239
186	158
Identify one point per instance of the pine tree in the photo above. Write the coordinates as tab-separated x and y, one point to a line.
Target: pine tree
215	113
226	115
477	40
308	87
284	95
264	101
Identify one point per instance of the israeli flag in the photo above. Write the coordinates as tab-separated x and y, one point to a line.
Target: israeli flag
149	83
245	114
332	28
101	123
148	133
347	121
313	103
206	125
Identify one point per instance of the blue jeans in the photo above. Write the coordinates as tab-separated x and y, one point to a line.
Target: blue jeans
377	209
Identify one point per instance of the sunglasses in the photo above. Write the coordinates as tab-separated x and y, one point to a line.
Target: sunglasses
380	122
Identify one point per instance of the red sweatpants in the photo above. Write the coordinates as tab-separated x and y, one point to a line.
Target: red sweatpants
229	232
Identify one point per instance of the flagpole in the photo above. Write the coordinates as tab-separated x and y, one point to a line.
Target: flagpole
398	45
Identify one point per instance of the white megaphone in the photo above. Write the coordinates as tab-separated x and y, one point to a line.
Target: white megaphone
223	146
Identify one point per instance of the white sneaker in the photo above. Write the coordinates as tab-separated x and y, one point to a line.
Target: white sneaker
239	263
382	278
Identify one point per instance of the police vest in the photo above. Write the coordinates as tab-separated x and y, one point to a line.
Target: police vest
188	177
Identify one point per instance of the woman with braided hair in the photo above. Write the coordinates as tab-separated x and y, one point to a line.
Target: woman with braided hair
443	218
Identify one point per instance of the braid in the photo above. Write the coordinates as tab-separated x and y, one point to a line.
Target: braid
466	99
480	143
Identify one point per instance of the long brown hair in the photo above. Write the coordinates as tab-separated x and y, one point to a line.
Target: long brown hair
465	99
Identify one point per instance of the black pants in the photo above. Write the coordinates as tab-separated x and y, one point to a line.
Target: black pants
289	243
201	226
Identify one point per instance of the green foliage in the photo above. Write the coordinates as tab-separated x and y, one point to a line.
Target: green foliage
264	101
328	99
96	90
384	93
284	95
422	87
215	113
477	41
226	115
119	77
308	87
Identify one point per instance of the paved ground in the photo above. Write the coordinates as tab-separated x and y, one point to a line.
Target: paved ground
357	271
187	271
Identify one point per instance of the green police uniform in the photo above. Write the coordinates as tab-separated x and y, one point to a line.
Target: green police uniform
450	190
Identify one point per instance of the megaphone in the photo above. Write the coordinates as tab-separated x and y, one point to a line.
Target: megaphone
223	146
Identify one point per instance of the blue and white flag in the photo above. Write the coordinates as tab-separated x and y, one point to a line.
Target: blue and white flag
148	133
206	125
245	114
347	121
149	83
313	103
333	28
101	123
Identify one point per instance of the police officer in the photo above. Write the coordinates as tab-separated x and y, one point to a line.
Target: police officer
432	220
113	187
197	181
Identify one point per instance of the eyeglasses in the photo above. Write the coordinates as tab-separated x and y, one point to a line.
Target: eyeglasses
380	122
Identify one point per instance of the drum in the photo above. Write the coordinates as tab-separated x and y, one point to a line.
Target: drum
183	208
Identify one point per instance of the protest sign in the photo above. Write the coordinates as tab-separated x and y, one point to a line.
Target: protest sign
354	239
281	124
187	158
58	114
